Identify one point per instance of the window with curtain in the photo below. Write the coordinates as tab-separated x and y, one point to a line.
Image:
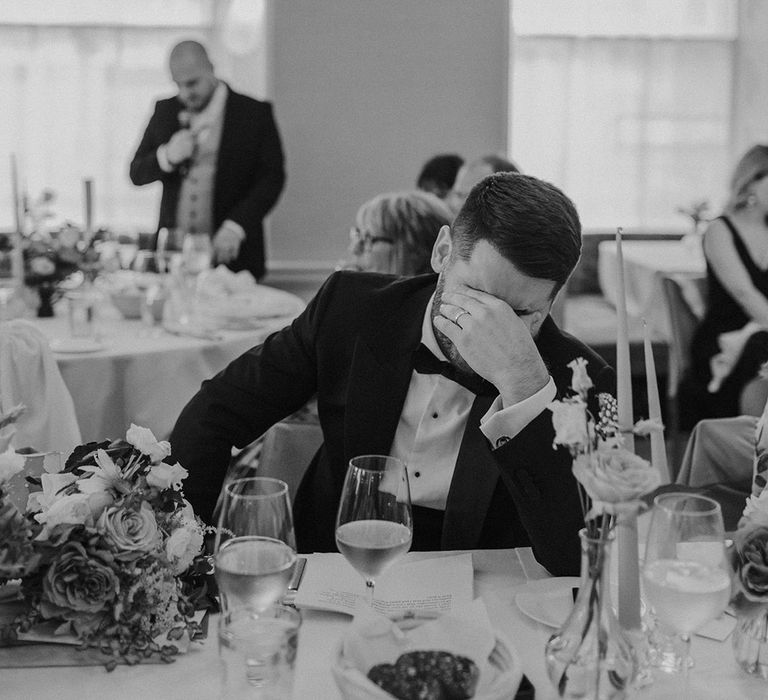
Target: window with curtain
79	80
625	104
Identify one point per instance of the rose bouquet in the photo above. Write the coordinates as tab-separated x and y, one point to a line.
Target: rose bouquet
101	548
589	654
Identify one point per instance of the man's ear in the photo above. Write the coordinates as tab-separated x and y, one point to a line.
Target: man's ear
441	251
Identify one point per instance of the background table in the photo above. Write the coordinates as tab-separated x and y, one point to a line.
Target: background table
645	264
499	576
143	375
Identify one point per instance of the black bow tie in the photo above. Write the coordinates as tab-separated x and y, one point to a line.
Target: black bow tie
424	362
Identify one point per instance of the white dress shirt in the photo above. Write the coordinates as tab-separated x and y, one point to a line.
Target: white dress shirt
433	421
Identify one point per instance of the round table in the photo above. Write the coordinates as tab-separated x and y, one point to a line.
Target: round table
141	374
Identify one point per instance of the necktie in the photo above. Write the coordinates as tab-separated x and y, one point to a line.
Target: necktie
424	362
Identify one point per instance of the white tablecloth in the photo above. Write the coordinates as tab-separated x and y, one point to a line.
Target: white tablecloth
645	264
499	576
143	375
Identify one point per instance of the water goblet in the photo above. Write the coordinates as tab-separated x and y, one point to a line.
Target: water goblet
196	253
374	525
255	545
685	574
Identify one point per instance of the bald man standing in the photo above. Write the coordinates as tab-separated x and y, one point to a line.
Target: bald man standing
219	157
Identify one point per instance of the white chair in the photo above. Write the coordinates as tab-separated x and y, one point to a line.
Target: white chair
29	375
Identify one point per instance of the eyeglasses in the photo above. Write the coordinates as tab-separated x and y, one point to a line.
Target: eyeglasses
365	241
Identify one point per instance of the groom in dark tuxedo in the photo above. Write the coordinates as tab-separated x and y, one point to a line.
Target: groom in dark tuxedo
219	157
450	372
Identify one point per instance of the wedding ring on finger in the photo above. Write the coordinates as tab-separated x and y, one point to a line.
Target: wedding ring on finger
459	315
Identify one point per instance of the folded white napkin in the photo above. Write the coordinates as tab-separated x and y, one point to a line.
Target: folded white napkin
29	375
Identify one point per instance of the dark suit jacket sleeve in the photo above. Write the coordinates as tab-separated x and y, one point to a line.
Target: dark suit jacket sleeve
269	177
259	388
544	489
144	166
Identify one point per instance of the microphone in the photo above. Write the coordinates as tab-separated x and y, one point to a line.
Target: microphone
185	119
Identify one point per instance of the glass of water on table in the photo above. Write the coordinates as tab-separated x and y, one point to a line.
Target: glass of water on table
255	554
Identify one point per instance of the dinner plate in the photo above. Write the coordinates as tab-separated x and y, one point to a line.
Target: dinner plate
74	345
548	601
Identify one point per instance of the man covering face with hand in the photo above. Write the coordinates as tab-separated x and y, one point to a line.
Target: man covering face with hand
451	372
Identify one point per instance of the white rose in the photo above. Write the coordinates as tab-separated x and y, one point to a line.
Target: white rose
183	546
10	464
580	383
167	476
569	419
613	476
145	442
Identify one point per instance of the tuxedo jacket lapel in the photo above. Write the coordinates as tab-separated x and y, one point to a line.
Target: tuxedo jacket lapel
474	481
380	374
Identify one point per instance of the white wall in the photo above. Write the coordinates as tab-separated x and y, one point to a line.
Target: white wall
364	92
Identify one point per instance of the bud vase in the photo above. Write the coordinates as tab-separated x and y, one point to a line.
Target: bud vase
750	641
589	656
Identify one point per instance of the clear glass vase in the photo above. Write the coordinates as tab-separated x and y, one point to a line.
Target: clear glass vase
589	656
750	641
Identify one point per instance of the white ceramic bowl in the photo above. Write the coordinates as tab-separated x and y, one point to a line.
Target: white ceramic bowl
503	661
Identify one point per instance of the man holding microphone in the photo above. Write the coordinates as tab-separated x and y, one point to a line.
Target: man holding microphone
219	157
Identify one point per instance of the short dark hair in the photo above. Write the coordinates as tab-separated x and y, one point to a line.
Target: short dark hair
528	221
438	174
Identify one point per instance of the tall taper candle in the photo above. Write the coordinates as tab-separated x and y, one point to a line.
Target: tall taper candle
658	449
629	570
88	190
17	261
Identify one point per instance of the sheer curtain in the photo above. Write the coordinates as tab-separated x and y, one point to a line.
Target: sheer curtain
626	105
78	88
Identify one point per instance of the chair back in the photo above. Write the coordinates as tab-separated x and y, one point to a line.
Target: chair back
29	375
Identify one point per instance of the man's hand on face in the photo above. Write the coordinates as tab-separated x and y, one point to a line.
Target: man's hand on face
180	147
494	341
226	244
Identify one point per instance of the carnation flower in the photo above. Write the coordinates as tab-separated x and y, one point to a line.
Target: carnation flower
183	546
77	583
10	464
756	511
145	442
167	476
614	476
131	530
581	382
570	422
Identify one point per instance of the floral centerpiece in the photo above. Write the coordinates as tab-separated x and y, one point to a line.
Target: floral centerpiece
101	548
589	656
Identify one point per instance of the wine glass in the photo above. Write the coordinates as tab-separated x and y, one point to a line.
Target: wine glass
255	546
196	253
685	574
374	525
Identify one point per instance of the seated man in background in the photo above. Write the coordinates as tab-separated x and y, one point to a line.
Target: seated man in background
471	173
478	442
394	233
439	173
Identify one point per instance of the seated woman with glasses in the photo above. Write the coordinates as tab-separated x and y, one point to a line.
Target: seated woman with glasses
731	343
394	233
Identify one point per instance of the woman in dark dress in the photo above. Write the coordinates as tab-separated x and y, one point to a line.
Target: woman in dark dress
736	250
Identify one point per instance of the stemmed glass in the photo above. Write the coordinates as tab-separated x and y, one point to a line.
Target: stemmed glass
196	253
685	574
374	525
255	546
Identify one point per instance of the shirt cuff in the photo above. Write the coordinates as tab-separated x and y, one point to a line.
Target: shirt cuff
234	227
501	424
162	159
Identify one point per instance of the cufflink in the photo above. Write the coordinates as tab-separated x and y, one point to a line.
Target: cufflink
503	440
